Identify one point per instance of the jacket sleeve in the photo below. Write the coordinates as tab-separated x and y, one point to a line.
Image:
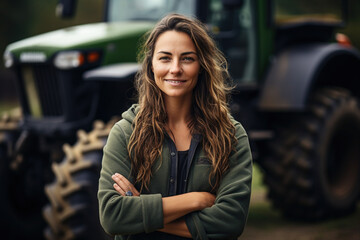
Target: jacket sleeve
226	219
119	214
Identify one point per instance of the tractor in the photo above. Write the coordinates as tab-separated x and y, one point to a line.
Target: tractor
296	91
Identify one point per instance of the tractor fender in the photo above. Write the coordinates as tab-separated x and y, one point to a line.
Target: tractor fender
121	72
295	71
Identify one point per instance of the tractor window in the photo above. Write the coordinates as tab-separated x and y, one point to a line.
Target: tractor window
233	30
303	11
153	10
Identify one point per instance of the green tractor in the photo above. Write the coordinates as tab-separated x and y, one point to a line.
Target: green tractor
297	89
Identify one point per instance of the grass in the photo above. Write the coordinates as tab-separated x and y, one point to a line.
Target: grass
257	182
266	223
261	213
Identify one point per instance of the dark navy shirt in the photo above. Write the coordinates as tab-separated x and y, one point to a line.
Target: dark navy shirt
181	171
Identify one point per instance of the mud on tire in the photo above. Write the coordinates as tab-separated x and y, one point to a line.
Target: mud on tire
73	209
313	171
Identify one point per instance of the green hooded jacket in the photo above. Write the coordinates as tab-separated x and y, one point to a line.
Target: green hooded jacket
125	217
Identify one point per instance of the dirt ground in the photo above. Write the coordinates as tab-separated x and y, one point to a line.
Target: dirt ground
267	224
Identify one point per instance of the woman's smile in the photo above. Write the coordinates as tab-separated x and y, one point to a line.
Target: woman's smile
175	82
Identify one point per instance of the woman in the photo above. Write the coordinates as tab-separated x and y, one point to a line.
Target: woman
177	165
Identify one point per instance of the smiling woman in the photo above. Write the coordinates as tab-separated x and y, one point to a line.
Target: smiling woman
177	166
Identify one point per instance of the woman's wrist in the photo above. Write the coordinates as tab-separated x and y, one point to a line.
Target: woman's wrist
202	200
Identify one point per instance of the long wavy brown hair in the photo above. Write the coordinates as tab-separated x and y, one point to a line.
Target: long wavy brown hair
210	113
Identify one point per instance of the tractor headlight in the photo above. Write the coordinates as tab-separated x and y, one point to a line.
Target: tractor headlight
8	59
68	60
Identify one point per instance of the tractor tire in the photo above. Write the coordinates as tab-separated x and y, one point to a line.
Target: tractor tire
22	196
73	209
313	171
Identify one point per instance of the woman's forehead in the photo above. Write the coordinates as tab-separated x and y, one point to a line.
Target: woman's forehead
171	41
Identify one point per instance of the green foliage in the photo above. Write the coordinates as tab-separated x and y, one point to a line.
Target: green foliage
257	181
265	222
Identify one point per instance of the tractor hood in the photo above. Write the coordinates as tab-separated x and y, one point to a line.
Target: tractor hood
90	36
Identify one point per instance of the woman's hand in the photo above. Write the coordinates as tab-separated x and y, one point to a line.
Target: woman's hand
122	185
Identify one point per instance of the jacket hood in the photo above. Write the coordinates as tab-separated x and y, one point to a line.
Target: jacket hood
130	114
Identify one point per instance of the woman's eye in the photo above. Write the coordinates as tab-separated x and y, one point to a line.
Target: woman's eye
188	59
164	58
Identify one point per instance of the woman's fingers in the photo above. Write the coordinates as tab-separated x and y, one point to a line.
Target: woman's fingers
122	185
118	189
127	185
119	185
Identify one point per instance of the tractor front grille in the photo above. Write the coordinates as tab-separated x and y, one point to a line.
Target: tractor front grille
42	88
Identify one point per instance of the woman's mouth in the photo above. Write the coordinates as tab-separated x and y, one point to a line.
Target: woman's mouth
174	82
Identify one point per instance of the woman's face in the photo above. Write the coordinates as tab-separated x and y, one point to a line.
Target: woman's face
175	64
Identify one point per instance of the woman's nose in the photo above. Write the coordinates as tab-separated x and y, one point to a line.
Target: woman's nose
175	67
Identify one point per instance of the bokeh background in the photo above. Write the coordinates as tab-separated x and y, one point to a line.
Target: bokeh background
24	18
20	19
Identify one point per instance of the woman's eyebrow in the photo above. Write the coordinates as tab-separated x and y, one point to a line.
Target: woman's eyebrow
164	52
186	53
169	53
